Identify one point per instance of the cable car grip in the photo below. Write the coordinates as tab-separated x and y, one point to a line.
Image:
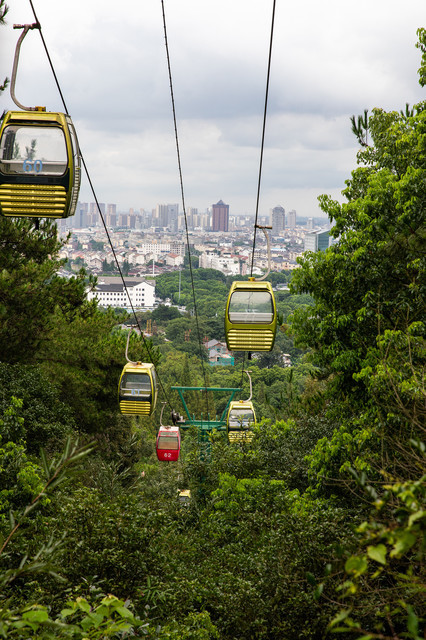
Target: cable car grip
34	25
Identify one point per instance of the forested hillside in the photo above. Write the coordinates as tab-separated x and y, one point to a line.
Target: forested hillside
315	527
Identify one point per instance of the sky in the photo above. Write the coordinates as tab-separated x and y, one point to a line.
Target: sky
330	60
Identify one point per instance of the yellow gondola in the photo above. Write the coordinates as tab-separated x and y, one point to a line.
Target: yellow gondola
185	496
137	389
241	417
39	165
251	316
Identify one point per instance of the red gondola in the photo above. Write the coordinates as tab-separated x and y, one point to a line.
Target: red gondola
168	444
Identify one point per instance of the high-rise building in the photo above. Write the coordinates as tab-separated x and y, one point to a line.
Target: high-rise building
123	220
111	215
167	215
220	216
161	215
79	220
94	216
291	219
317	240
173	217
111	219
191	216
146	218
277	220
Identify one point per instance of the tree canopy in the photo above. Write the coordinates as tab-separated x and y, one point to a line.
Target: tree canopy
314	526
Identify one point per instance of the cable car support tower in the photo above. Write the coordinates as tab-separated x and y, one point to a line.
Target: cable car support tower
205	425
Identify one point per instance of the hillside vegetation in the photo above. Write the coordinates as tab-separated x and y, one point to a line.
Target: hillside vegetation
315	527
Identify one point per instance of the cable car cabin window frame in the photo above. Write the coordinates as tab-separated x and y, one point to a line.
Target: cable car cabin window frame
33	164
240	432
240	424
250	317
154	378
131	392
171	440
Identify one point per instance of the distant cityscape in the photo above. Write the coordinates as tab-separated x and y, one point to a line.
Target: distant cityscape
148	243
168	217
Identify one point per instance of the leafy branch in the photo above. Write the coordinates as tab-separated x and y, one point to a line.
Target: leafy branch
360	128
56	472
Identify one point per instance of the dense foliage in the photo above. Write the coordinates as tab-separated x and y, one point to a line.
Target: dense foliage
316	526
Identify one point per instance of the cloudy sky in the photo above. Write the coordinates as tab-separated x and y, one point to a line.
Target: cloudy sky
330	60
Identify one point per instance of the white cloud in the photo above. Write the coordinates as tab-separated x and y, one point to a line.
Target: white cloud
330	60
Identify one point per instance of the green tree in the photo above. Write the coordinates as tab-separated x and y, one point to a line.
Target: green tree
126	267
31	290
48	421
372	279
84	358
162	314
96	245
421	44
20	479
366	331
194	259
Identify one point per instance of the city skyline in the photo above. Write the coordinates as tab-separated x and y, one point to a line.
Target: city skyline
87	215
113	207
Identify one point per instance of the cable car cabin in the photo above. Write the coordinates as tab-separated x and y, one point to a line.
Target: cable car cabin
137	389
241	417
39	165
185	496
168	444
251	317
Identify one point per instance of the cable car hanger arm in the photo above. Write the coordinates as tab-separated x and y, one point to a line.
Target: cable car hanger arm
268	248
127	346
26	28
248	372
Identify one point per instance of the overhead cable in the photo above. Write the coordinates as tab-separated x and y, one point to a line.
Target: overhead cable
263	133
99	210
183	204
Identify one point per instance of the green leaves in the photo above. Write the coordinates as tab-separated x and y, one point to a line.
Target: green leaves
421	44
80	620
356	565
30	290
377	553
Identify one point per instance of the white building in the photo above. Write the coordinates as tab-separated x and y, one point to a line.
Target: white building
177	247
136	258
154	247
173	260
141	294
228	266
